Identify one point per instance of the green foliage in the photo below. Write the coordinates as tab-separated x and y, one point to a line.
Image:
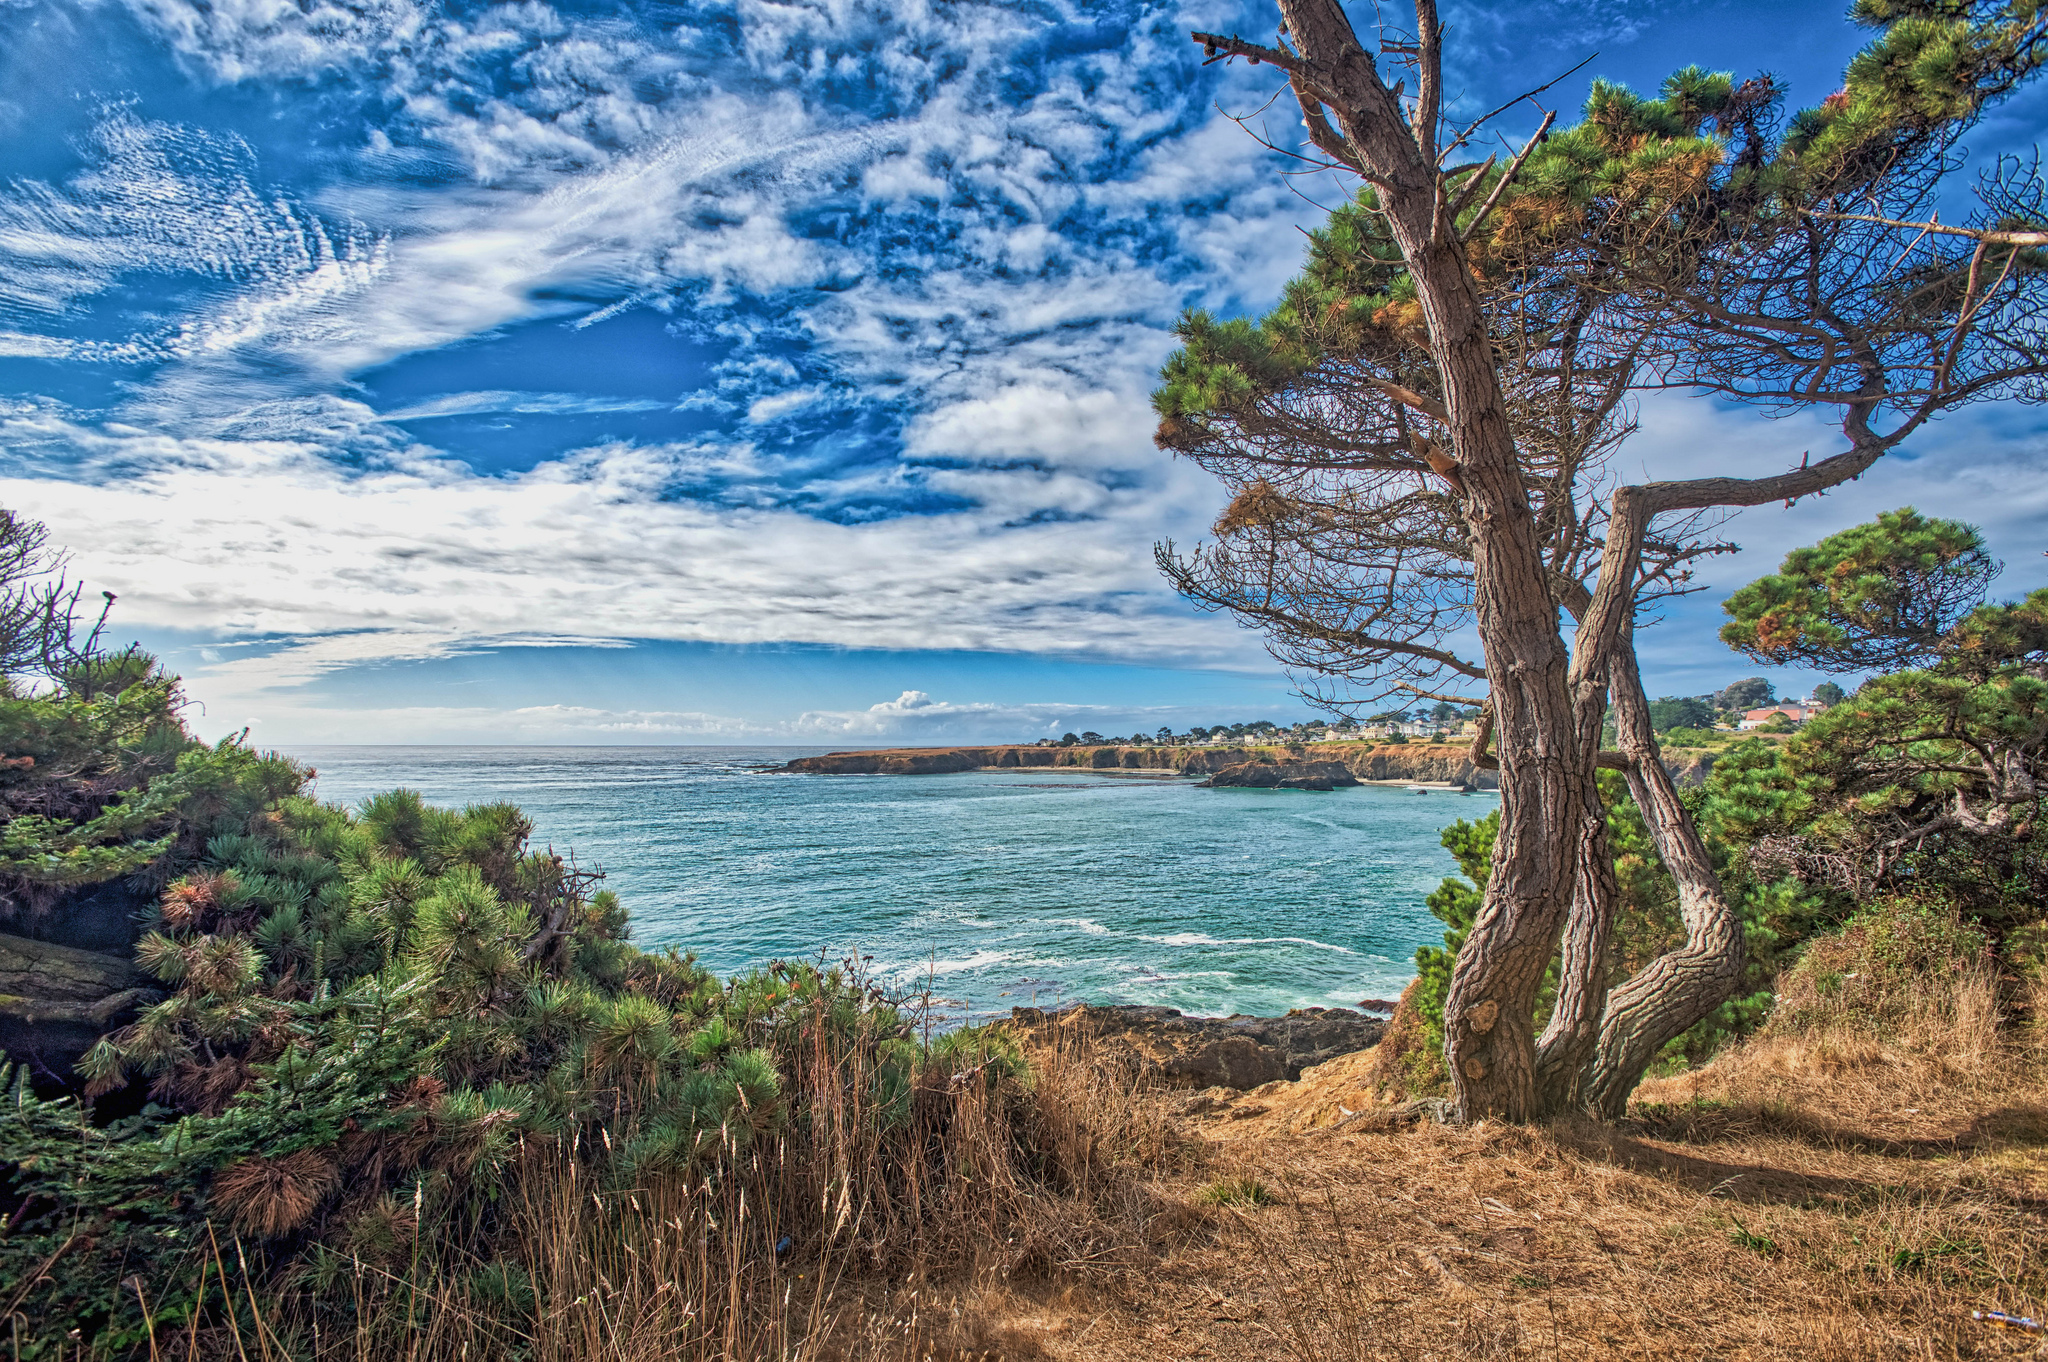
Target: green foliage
1880	595
1743	1238
86	783
1927	781
87	1201
1752	692
1685	711
1239	1191
1455	903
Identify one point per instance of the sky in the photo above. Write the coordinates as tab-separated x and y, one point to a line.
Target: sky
728	372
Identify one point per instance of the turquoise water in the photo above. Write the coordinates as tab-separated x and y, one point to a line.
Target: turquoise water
996	888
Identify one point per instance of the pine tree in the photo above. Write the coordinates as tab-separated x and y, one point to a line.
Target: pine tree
1420	436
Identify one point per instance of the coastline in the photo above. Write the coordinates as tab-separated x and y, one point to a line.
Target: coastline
1434	764
1431	765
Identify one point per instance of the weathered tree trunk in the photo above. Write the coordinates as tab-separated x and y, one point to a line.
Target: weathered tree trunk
1546	773
1680	988
1569	1039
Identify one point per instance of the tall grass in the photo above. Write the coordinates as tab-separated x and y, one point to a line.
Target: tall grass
964	1165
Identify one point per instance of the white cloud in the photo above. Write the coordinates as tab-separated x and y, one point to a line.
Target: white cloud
915	715
293	720
548	404
271	539
782	404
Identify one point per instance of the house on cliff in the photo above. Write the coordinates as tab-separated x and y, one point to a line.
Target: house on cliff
1798	712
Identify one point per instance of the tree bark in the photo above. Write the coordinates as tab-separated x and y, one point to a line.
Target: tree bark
1546	772
1570	1038
1679	989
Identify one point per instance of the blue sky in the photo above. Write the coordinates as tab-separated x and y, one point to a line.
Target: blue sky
751	372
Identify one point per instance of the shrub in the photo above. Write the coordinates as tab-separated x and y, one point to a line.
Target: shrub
1898	970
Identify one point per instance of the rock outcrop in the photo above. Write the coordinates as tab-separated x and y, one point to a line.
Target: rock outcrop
1176	1051
1689	766
56	1001
1282	775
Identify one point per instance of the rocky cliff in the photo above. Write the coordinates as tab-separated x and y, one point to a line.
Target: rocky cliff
1176	1051
1282	775
1422	762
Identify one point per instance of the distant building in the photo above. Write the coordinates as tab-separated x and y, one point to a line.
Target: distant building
1798	713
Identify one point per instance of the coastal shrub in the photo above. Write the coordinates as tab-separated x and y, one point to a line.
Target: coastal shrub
392	1054
1898	969
368	1140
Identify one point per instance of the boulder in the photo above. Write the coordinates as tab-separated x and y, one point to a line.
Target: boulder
56	1001
1177	1051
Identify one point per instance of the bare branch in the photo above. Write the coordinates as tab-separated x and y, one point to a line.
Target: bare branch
1995	236
1216	47
1507	178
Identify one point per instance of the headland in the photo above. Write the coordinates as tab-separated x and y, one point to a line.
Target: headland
1404	763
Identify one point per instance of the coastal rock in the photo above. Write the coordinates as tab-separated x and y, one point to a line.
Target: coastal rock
1177	1051
56	1001
1288	775
1689	767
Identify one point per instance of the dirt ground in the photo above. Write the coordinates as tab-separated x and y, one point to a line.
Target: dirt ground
1795	1202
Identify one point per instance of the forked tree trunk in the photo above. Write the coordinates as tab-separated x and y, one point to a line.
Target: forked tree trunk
1546	774
1676	990
1569	1038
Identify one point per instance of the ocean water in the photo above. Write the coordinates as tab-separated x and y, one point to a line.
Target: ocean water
993	889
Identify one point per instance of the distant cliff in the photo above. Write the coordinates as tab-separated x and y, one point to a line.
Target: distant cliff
1409	761
1420	762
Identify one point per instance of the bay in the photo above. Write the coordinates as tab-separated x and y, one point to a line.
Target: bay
992	888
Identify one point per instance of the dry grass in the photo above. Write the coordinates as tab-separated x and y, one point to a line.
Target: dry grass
857	1234
1821	1196
1829	1194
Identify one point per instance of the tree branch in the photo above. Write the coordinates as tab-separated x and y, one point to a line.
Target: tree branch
1805	481
1994	236
1507	178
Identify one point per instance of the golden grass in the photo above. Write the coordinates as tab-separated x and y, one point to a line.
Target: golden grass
1828	1195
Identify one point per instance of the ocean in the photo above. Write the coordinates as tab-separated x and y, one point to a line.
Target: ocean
993	889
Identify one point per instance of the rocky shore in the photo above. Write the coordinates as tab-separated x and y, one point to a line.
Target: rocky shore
1177	1051
1306	765
1420	763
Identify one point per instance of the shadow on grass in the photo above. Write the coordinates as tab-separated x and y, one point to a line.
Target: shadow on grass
1771	1182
